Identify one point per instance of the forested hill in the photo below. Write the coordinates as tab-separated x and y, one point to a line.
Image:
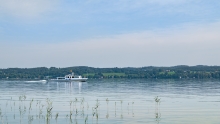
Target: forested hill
150	72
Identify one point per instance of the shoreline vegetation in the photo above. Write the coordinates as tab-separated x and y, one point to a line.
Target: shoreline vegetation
150	72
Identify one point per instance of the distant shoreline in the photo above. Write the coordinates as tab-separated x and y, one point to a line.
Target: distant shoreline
150	72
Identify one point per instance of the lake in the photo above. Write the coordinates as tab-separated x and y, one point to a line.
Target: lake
110	101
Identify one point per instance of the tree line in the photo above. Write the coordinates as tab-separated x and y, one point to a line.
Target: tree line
150	72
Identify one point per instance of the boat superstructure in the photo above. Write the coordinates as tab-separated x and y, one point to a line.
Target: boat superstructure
70	77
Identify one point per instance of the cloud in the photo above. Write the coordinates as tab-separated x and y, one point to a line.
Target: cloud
26	9
191	44
126	10
93	10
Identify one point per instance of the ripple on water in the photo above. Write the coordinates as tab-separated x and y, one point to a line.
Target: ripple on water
116	100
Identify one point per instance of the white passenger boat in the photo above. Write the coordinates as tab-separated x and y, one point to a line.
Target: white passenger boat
70	77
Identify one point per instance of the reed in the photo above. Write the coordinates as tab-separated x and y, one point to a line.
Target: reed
71	115
128	108
44	110
107	115
132	109
82	106
1	115
115	109
71	109
121	110
157	99
107	102
30	119
87	106
157	111
86	119
157	117
49	110
76	113
56	116
31	104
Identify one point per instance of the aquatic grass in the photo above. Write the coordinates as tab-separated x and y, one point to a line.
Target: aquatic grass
157	102
157	99
76	113
128	108
157	117
1	115
49	110
132	109
86	119
115	109
95	110
87	106
31	104
40	110
71	115
157	111
30	119
56	116
71	104
107	115
71	110
82	106
121	110
76	110
107	102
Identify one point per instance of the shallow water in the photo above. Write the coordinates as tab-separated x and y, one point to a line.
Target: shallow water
119	101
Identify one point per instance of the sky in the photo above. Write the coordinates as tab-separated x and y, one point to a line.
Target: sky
109	33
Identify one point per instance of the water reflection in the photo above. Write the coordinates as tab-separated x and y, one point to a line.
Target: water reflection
80	87
69	87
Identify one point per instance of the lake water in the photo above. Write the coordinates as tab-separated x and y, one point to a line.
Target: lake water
110	101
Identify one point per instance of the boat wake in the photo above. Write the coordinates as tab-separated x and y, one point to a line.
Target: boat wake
37	81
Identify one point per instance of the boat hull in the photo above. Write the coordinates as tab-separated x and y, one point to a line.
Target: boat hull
70	80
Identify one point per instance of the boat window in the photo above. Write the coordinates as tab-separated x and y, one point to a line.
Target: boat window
72	76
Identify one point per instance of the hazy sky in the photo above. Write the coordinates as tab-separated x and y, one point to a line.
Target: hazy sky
109	33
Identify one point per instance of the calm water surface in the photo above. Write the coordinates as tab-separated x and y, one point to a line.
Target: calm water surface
110	101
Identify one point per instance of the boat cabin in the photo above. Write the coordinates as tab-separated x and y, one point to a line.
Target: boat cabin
72	76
